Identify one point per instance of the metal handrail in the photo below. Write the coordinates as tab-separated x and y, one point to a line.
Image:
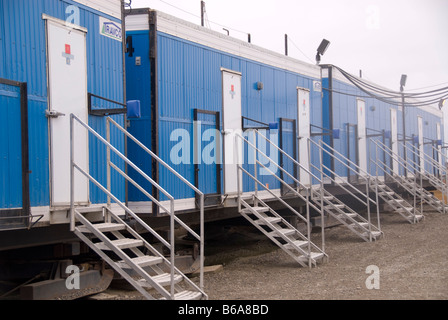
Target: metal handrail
201	237
274	175
445	157
339	176
367	175
360	170
399	181
340	184
344	161
306	199
426	158
432	178
170	246
291	158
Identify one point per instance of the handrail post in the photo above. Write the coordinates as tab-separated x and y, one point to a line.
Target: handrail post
172	252
368	207
322	214
202	256
109	186
255	163
72	176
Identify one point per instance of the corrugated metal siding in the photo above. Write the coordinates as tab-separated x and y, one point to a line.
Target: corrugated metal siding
345	111
138	82
10	148
190	77
24	59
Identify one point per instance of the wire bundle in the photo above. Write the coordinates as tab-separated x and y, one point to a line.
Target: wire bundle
421	99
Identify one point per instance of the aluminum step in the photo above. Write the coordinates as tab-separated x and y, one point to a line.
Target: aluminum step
295	244
417	218
142	262
258	209
282	231
375	234
360	224
271	220
332	206
346	215
163	280
103	227
187	295
121	244
315	256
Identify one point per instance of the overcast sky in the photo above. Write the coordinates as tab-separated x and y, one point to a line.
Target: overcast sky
383	38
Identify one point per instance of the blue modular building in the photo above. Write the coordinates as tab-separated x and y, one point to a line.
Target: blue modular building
343	103
199	109
178	71
56	57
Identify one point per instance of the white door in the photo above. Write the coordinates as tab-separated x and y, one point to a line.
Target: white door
394	139
420	144
303	112
439	148
67	89
231	92
362	139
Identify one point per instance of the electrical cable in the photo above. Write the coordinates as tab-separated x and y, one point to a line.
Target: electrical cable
393	97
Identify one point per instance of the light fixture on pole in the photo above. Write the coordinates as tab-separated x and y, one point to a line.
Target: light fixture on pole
441	103
321	50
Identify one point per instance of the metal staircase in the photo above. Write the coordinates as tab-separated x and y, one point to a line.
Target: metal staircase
437	177
396	202
296	244
349	217
412	185
282	233
116	240
381	190
339	210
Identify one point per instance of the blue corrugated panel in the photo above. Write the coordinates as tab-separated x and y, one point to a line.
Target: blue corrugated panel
190	77
23	58
10	148
377	119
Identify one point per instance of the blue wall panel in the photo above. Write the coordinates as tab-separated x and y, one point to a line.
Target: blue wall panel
10	148
377	119
190	77
23	58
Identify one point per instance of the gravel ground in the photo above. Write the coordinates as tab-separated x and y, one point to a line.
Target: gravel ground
412	262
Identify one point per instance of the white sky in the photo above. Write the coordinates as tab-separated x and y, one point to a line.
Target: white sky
383	38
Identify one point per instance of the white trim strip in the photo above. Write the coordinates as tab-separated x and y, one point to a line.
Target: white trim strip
191	32
64	23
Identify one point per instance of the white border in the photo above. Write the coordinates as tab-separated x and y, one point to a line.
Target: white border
189	31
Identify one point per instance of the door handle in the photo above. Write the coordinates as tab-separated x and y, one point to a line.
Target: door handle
226	132
53	114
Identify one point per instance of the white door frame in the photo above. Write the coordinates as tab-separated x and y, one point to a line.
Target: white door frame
67	93
304	132
362	135
394	139
421	146
439	148
232	125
